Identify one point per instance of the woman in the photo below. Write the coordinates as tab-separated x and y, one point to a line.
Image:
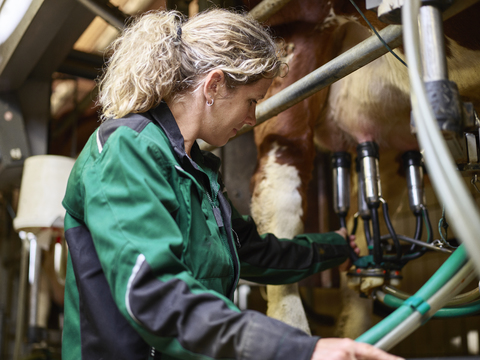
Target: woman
156	249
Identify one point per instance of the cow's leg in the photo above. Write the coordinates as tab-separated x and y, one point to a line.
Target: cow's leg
278	208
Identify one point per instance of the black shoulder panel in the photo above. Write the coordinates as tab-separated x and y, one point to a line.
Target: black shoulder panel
135	122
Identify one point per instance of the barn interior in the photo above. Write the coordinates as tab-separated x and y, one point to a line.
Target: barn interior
51	53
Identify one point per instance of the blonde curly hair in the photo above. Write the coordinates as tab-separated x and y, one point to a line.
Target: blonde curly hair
159	56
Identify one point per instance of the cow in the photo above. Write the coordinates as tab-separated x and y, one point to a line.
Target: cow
371	104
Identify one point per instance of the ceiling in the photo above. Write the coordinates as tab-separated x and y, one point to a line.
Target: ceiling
51	51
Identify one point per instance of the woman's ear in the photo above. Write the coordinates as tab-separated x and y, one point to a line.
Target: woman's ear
213	84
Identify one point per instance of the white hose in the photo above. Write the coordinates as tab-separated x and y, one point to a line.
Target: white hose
452	287
446	180
456	284
461	299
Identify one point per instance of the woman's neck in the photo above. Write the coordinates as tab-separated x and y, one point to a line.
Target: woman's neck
188	119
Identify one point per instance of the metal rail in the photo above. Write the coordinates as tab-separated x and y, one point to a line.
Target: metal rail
267	8
107	12
116	18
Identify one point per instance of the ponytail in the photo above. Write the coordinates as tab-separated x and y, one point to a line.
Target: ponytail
160	57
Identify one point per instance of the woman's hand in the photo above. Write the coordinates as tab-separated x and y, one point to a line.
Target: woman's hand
347	349
351	238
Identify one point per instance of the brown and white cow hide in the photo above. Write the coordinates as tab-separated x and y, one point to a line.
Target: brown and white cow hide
372	104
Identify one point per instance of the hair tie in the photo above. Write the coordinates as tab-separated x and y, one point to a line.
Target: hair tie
179	34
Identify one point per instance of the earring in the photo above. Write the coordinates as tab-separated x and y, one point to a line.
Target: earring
209	103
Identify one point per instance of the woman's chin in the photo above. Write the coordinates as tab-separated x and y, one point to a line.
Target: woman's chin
220	144
217	142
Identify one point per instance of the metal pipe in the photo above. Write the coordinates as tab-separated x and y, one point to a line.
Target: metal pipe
368	159
336	69
417	242
363	209
415	188
107	12
372	185
433	44
413	164
22	287
267	8
35	268
341	163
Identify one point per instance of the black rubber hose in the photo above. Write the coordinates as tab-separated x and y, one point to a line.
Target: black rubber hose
355	224
352	254
391	230
418	227
368	234
422	250
377	245
418	232
413	256
429	225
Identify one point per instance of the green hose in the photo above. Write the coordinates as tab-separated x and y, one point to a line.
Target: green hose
385	326
444	273
440	278
472	308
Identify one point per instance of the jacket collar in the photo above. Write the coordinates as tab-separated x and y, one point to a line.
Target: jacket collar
164	118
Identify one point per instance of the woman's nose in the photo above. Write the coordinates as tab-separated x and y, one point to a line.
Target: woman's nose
251	118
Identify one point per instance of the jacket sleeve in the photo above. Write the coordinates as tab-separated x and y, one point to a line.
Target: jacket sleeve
129	210
269	260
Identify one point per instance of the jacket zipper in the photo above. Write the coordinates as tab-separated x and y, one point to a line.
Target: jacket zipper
234	242
237	240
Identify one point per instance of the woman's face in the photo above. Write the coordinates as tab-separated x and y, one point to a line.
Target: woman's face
231	110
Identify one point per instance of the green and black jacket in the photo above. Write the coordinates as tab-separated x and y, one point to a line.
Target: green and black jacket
156	251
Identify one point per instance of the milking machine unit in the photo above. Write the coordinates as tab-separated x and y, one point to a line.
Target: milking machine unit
459	124
383	263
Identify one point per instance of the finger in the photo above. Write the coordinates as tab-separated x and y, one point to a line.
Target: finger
368	352
354	246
